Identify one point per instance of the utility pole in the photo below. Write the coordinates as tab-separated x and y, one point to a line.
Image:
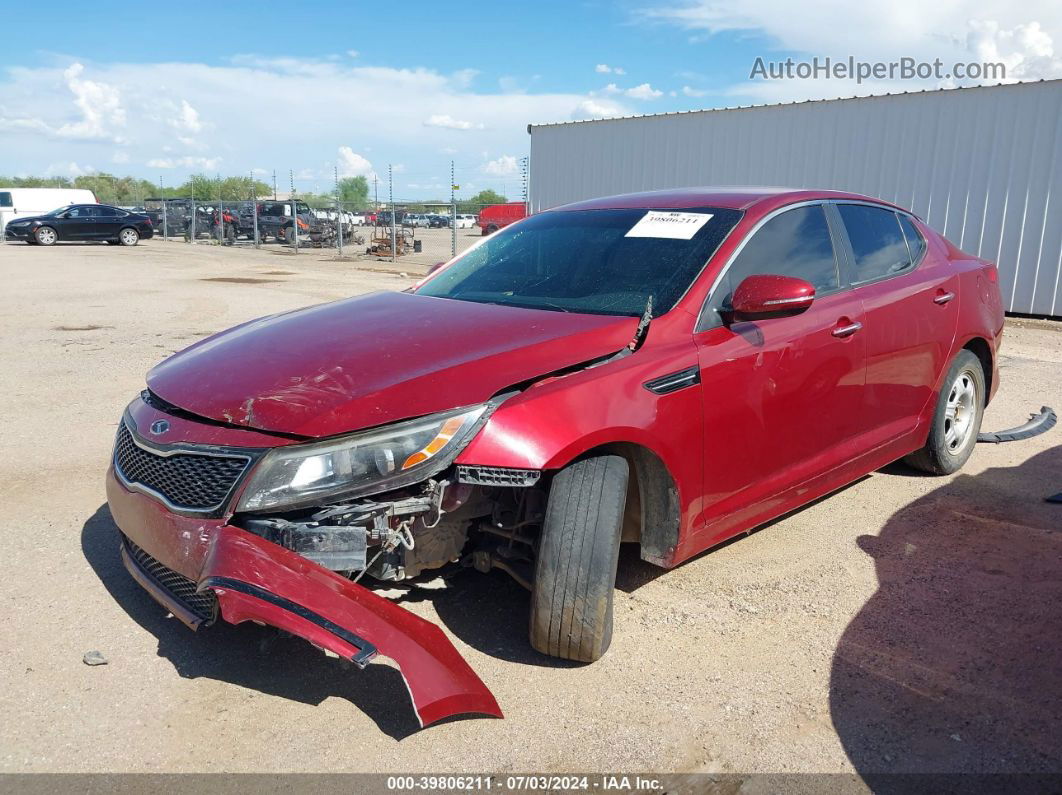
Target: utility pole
220	214
391	191
294	211
339	215
254	210
453	213
162	196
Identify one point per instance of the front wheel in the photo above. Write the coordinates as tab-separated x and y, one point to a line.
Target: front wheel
578	551
45	236
957	419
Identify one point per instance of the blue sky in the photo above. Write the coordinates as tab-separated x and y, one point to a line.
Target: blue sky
237	87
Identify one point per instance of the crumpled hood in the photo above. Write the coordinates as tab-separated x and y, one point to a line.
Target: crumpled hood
374	359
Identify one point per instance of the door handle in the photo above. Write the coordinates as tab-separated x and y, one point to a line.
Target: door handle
943	298
847	331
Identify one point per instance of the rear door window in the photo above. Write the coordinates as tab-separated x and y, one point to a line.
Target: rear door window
877	240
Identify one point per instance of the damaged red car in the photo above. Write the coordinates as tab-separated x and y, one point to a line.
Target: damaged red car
666	369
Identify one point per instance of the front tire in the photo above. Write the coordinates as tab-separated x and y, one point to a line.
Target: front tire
575	570
45	236
957	419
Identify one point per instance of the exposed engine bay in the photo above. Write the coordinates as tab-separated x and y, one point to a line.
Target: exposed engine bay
399	535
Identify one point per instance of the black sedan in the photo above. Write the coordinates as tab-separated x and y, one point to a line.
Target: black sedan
101	222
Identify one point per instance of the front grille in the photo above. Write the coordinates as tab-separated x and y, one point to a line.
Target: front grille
186	480
203	605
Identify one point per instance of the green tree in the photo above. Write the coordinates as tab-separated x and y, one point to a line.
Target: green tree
477	202
230	189
355	191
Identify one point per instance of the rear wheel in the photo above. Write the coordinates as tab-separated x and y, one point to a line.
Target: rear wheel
129	236
575	569
289	235
45	236
957	419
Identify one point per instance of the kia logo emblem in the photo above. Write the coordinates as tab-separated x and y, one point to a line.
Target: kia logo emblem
159	427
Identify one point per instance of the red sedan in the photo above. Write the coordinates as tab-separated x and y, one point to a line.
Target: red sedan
667	369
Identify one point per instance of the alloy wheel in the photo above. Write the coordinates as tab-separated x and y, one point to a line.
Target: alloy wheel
960	411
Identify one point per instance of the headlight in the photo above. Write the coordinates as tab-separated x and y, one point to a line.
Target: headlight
361	463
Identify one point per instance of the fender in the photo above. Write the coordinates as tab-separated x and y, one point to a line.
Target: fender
555	421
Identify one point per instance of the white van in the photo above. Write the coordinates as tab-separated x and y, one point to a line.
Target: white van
24	202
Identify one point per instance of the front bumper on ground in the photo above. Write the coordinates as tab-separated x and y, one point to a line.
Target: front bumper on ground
256	580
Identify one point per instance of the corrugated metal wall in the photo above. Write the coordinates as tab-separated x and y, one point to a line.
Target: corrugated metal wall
981	165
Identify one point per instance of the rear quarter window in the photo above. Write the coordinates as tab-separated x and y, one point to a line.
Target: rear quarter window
878	242
915	242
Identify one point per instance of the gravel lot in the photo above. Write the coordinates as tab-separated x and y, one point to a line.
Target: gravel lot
907	623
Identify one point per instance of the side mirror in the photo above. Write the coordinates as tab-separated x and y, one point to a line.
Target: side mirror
766	295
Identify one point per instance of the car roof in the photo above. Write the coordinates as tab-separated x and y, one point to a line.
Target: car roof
736	198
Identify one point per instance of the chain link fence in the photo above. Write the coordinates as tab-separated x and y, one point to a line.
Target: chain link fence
397	234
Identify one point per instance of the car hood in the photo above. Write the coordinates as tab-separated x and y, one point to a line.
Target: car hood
374	359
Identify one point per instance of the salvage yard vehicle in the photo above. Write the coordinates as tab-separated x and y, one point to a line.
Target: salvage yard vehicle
82	222
497	216
18	203
669	369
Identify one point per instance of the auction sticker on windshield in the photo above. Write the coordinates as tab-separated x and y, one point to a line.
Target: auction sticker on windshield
674	226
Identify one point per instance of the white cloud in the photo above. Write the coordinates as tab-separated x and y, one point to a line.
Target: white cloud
187	119
70	169
1026	37
99	105
504	166
351	164
446	121
693	92
242	129
596	109
644	91
605	69
202	163
352	53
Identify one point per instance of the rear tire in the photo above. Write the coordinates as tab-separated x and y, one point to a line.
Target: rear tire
575	570
289	236
129	236
956	420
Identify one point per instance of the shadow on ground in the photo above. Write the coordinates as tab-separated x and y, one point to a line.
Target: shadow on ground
955	663
247	655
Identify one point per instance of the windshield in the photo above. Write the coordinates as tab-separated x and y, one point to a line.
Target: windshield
58	210
604	262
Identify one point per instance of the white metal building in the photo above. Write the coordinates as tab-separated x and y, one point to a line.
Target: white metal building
981	165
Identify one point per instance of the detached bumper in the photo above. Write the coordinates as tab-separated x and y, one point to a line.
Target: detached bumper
181	560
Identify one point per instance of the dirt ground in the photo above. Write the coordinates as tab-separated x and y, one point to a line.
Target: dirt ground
907	623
